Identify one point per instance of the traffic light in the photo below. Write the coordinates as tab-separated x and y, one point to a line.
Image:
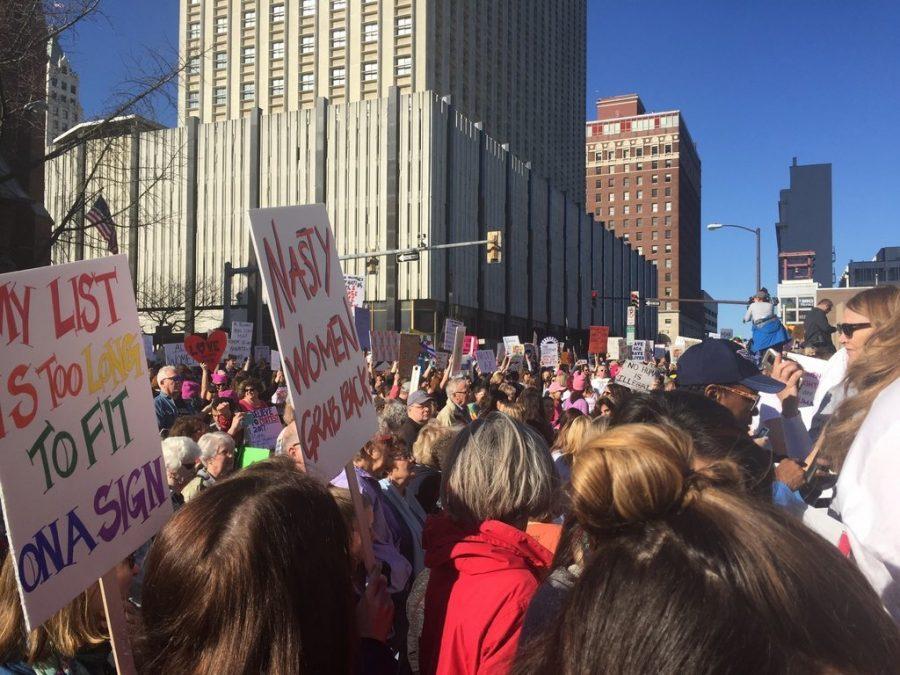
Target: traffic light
372	265
494	242
635	300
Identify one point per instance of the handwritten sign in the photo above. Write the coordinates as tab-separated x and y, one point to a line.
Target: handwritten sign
615	349
81	471
597	342
639	350
241	340
509	341
470	345
261	353
487	362
275	360
636	376
362	317
176	355
410	346
456	354
813	371
441	360
356	290
450	326
385	345
209	349
324	365
263	427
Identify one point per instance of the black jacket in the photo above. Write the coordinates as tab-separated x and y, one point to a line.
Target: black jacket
817	329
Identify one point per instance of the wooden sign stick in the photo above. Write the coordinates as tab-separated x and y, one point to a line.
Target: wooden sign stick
116	623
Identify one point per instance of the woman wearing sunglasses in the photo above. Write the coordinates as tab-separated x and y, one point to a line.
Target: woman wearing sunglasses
862	439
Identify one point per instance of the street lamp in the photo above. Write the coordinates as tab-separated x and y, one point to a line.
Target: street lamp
718	226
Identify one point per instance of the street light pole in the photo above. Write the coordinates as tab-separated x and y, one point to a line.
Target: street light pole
758	233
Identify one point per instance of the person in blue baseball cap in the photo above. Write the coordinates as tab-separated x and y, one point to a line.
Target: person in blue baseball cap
726	373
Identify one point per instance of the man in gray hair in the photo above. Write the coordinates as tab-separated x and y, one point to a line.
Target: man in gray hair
456	411
166	410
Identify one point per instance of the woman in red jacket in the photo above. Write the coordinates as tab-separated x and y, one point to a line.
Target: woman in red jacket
484	567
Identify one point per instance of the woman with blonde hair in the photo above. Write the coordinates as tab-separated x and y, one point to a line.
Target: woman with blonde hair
680	573
568	442
862	439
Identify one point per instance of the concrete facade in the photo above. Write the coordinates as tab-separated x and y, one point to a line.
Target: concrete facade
804	219
516	66
63	93
389	171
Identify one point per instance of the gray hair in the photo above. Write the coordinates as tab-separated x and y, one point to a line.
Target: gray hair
453	385
179	450
499	469
164	372
211	442
394	414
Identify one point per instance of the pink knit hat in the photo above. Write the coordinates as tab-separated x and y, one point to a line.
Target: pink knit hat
578	382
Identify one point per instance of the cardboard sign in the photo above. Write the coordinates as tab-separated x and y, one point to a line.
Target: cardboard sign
441	360
261	353
263	427
509	341
410	346
385	345
362	317
470	345
82	478
176	355
275	360
240	342
356	290
209	349
325	366
487	363
450	326
597	343
636	376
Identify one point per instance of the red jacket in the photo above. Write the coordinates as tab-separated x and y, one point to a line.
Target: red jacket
480	585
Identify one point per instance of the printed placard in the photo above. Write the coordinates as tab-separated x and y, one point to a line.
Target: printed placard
639	350
487	362
263	427
597	342
356	289
636	376
82	478
324	365
450	326
240	341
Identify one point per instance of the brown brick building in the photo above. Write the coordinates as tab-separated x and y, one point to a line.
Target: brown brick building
643	183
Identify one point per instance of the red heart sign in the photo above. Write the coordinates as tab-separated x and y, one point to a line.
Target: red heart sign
208	350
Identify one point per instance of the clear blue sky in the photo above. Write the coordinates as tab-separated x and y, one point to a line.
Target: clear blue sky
758	81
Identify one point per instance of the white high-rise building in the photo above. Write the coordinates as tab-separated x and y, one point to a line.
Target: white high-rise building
516	66
63	102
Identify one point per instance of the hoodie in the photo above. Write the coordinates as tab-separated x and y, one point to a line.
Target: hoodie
482	579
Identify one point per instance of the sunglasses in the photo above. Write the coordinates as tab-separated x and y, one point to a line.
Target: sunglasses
848	329
742	394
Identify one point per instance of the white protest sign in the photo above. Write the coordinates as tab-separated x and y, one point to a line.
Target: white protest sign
509	341
385	345
240	340
261	353
82	479
149	353
450	326
813	370
356	290
487	362
263	427
275	360
639	350
636	376
324	365
414	378
615	349
599	385
175	355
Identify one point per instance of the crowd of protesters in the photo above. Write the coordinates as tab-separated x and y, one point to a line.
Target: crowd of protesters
529	520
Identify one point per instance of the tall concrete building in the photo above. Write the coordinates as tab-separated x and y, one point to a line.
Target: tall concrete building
643	184
516	66
804	224
63	100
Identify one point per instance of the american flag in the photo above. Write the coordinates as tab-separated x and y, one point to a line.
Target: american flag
100	216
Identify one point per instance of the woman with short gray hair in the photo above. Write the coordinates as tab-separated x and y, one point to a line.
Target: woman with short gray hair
217	458
180	455
484	568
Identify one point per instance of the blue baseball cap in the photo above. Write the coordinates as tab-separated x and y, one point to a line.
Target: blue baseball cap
723	362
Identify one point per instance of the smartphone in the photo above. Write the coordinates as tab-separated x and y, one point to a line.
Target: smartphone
768	359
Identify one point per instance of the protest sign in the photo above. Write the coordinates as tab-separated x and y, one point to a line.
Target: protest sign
275	360
414	378
470	345
531	352
240	340
82	479
450	326
410	346
149	352
549	354
356	290
813	370
639	350
659	351
263	426
261	353
207	349
385	345
599	385
176	355
515	363
465	364
517	350
487	363
456	354
501	352
324	365
509	341
441	360
597	342
250	456
636	376
362	318
616	348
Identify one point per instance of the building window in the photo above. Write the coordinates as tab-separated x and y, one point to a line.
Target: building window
654	193
639	236
277	51
668	206
626	182
626	209
598	197
277	86
611	182
307	44
612	210
193	99
219	96
668	234
370	32
193	31
668	276
404	26
221	25
625	237
640	250
309	7
668	248
612	197
668	178
338	77
639	222
668	163
654	221
640	194
248	55
250	18
668	192
338	4
72	89
654	235
654	207
221	60
639	208
626	196
338	38
307	82
625	222
668	263
193	67
277	13
654	249
668	221
668	148
612	225
248	91
370	71
668	291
